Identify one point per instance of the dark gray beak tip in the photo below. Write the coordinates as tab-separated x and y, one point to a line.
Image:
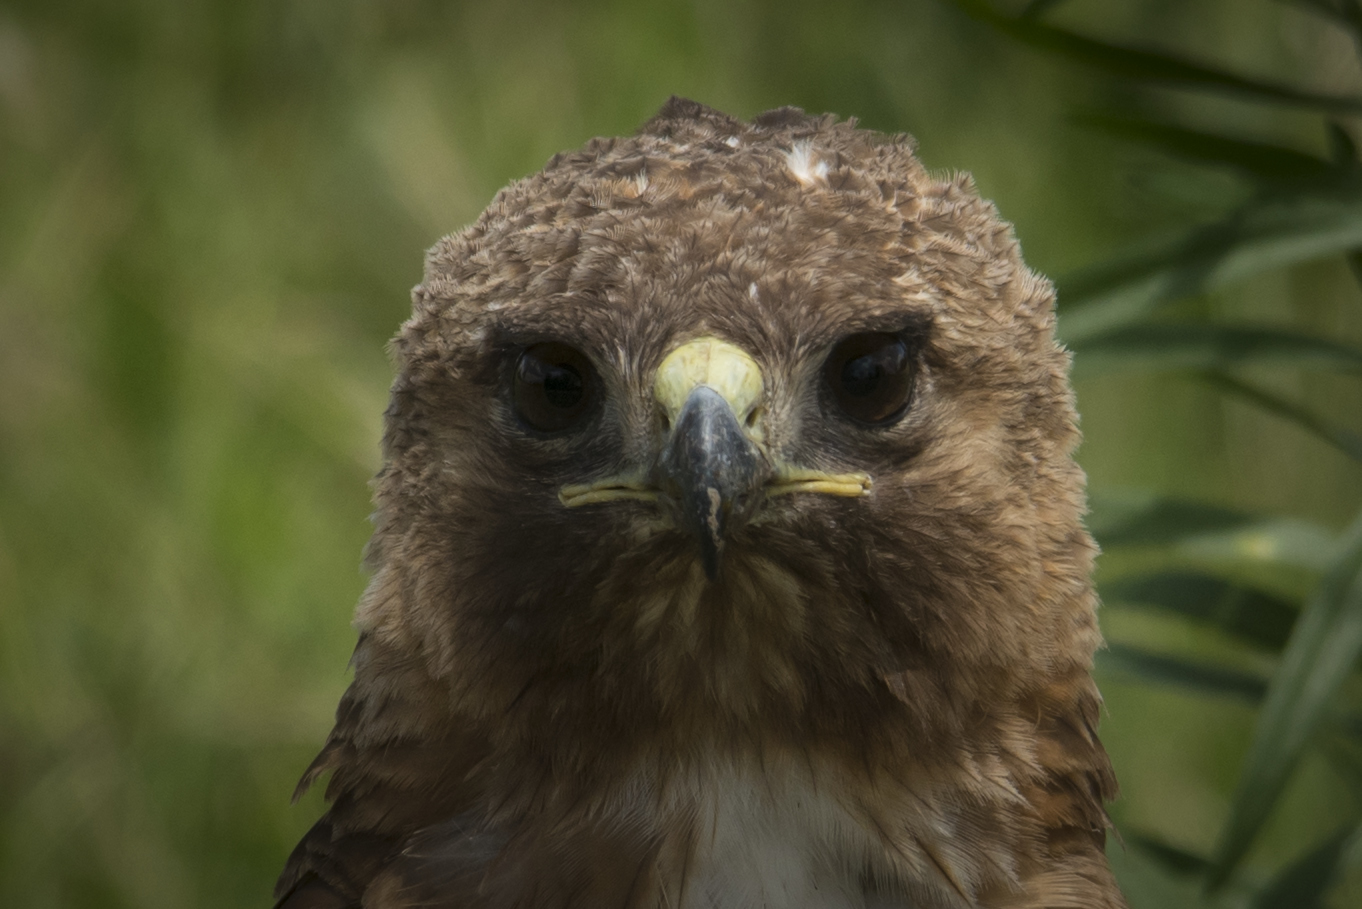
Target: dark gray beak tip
714	470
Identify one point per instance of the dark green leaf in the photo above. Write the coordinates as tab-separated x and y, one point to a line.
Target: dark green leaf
1347	13
1342	148
1202	678
1144	520
1152	66
1179	861
1303	883
1350	724
1271	547
1198	346
1269	233
1341	437
1037	8
1260	160
1320	655
1355	265
1244	612
1147	883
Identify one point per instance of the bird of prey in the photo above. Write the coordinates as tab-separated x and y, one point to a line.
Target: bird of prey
728	554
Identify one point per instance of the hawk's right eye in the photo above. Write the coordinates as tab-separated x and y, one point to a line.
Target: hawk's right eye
554	386
871	377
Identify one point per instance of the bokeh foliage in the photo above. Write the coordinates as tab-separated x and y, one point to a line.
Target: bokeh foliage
211	213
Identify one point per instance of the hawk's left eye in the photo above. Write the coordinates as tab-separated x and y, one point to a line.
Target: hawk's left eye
554	386
871	376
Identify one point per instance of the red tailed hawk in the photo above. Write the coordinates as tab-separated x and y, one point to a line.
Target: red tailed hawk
729	552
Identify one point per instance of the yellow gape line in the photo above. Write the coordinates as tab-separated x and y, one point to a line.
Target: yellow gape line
613	489
798	479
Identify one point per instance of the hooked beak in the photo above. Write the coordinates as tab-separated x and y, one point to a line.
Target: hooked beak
709	392
713	471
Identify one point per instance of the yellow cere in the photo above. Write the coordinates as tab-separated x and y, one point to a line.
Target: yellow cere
721	366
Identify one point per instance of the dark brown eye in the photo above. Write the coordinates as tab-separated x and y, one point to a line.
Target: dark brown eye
871	376
554	386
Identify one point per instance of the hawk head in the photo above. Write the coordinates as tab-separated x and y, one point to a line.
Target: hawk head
739	420
725	439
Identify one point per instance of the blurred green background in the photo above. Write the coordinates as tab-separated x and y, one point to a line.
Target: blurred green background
212	212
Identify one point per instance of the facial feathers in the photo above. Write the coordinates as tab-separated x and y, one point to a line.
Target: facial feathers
728	553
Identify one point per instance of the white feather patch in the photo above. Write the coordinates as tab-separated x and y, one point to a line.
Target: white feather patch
767	842
805	165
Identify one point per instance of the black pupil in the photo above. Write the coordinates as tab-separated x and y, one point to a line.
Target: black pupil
562	385
871	376
553	386
861	375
